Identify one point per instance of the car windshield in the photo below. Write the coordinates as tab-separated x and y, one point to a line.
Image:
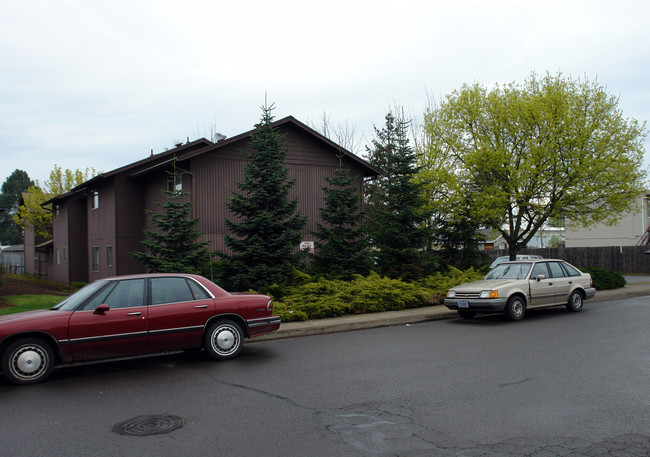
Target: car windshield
73	301
509	271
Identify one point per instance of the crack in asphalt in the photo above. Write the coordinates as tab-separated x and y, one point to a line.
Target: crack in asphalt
388	434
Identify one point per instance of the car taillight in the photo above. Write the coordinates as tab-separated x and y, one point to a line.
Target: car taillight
269	306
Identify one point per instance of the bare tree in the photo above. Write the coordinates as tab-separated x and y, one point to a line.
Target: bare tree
343	133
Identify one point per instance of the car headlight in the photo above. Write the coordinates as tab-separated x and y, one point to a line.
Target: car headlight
489	294
451	293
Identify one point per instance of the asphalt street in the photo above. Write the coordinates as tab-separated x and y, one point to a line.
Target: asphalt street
554	384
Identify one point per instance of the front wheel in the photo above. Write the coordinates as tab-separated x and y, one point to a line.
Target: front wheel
27	361
516	308
224	340
575	302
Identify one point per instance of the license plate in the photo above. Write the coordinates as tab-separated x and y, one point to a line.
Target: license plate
463	304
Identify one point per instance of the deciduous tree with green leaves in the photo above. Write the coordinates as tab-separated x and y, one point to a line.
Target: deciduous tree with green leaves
265	234
174	246
342	248
61	181
526	153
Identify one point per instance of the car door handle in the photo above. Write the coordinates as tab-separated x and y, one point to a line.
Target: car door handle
200	306
550	283
134	314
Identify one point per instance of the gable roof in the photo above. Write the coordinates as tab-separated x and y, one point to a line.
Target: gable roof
194	148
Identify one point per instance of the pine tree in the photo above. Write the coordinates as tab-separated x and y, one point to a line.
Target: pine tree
174	248
266	233
395	208
342	247
12	189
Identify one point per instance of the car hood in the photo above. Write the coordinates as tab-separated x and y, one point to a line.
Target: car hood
486	284
40	315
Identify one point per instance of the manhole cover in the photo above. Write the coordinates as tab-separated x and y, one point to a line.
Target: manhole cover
149	425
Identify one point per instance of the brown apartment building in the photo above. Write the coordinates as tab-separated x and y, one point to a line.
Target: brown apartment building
98	223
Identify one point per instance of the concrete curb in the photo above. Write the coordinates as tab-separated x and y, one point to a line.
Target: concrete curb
411	316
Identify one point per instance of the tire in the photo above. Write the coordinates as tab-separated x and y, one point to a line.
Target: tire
28	361
465	314
515	308
224	340
575	301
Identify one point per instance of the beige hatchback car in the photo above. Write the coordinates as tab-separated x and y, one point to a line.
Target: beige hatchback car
514	287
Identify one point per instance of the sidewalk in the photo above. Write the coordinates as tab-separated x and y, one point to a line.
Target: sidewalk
638	287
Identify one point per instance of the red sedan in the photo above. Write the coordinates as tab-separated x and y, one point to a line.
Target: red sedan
132	315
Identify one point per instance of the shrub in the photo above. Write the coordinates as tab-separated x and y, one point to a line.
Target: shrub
318	297
287	313
3	272
373	293
605	279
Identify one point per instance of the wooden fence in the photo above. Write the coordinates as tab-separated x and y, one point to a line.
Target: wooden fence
624	259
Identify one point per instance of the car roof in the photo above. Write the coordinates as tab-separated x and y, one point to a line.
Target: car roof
533	260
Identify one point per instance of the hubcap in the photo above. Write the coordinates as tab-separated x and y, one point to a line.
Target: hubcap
225	340
28	361
517	308
577	301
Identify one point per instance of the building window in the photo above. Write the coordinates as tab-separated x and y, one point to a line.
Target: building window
57	256
57	210
109	256
65	255
175	183
94	253
94	199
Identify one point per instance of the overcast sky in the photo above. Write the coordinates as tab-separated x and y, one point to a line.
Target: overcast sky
87	83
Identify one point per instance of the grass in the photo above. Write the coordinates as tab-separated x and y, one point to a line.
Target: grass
20	303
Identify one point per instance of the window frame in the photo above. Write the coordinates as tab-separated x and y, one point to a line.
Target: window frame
94	199
94	259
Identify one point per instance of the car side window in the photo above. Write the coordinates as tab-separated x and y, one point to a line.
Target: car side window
100	298
199	292
539	269
128	293
556	270
170	290
570	270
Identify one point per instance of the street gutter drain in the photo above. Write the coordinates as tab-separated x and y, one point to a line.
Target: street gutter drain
149	425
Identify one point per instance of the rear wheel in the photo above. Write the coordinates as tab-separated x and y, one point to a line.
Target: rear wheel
575	301
27	361
224	340
516	308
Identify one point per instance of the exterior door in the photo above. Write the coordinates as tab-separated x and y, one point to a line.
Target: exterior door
562	282
112	324
542	292
179	309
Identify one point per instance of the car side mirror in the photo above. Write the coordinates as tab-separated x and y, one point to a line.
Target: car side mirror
101	309
540	277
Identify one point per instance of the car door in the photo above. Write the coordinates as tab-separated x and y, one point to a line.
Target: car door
562	282
542	291
111	324
179	309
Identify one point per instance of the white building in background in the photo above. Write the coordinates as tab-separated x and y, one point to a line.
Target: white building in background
631	230
13	258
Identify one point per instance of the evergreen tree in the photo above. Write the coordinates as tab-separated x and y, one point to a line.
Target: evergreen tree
395	208
174	248
265	235
12	189
342	248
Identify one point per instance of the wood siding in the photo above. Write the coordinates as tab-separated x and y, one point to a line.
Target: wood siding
211	172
